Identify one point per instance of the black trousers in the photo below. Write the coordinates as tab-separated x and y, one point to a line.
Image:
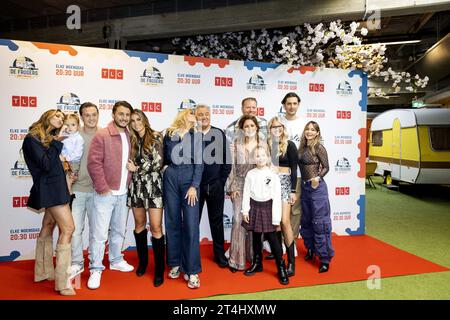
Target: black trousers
275	245
214	196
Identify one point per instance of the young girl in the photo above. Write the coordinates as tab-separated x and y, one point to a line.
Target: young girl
261	210
73	148
315	221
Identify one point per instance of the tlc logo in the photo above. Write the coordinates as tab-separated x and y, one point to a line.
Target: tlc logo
151	106
223	82
20	202
260	112
316	87
112	74
341	114
343	191
24	101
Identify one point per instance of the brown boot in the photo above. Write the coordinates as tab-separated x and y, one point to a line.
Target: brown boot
43	264
62	271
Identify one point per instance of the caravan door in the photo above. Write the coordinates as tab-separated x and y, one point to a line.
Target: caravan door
396	150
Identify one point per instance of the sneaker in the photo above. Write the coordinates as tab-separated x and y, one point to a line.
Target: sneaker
174	273
122	266
75	270
194	281
94	279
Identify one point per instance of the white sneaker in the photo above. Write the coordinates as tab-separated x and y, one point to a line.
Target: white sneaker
75	270
122	266
94	279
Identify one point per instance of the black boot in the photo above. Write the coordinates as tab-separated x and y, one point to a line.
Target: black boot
282	274
159	258
324	267
142	251
309	255
291	259
256	266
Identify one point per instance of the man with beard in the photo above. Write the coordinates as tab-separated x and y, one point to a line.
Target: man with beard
107	160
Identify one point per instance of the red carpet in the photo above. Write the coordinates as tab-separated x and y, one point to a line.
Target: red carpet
353	255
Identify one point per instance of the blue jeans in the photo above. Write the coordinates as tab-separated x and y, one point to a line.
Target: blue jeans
110	214
181	220
82	204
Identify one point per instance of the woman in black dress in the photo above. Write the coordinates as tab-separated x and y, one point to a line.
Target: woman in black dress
145	192
41	149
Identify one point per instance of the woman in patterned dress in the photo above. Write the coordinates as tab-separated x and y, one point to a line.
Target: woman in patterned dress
243	148
145	192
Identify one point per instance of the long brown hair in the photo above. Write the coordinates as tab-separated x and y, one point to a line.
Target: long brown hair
241	127
316	142
42	129
150	139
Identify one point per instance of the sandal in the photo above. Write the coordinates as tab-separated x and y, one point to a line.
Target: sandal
194	281
174	273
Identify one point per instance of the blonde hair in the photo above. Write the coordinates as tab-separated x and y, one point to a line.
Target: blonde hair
283	142
150	139
266	150
180	122
42	129
303	141
73	116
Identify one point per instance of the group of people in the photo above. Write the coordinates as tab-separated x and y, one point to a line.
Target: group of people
273	172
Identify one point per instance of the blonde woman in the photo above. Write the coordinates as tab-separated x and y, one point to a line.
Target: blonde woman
285	160
41	149
182	177
145	192
315	221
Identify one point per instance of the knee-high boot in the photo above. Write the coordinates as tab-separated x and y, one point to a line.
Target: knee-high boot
291	259
257	264
43	264
62	271
160	261
142	251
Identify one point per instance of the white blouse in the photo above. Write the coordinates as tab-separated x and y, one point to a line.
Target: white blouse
262	185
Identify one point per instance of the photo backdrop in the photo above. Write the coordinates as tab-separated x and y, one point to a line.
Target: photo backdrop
36	76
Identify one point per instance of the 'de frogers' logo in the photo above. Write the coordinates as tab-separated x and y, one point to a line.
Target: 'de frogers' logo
187	104
20	168
226	222
344	89
69	102
256	83
152	77
23	67
342	165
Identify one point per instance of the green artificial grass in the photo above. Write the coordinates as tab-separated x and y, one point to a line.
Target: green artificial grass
415	219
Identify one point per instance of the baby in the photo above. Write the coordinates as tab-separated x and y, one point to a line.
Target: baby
73	148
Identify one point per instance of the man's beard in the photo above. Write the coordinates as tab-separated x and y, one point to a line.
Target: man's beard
119	125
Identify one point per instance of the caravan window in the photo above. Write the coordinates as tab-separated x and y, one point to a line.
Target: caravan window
377	138
440	138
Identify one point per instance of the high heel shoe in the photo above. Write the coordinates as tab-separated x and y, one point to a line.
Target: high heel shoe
309	255
324	267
